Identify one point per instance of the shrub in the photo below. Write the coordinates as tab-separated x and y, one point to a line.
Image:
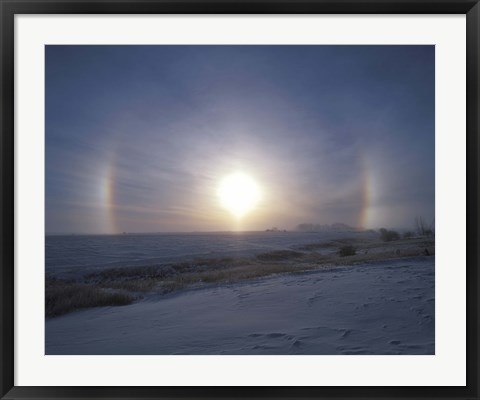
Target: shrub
388	236
408	235
345	251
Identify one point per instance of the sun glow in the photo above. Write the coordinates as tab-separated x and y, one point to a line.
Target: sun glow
238	193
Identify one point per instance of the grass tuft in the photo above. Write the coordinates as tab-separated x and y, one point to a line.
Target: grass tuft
62	297
346	251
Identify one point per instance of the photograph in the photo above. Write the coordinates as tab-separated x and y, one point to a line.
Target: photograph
230	199
239	199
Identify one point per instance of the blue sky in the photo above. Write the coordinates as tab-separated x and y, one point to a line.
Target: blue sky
139	137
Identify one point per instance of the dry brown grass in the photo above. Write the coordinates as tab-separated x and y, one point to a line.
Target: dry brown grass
235	274
114	274
205	263
279	255
62	297
126	283
138	285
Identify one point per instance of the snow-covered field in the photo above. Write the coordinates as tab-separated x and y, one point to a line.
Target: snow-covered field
386	307
67	256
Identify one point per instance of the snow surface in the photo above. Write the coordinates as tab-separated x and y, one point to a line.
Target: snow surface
378	308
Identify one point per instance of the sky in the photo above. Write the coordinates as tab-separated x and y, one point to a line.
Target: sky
139	138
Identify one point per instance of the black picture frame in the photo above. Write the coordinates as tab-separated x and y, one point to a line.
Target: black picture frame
9	8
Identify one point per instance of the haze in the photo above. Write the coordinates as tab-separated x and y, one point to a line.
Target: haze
138	138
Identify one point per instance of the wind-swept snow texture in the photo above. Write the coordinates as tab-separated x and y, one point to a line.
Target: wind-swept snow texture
378	308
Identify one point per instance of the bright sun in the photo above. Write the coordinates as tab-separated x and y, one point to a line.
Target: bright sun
238	193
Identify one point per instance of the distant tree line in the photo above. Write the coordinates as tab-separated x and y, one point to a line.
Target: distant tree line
424	229
421	228
307	227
